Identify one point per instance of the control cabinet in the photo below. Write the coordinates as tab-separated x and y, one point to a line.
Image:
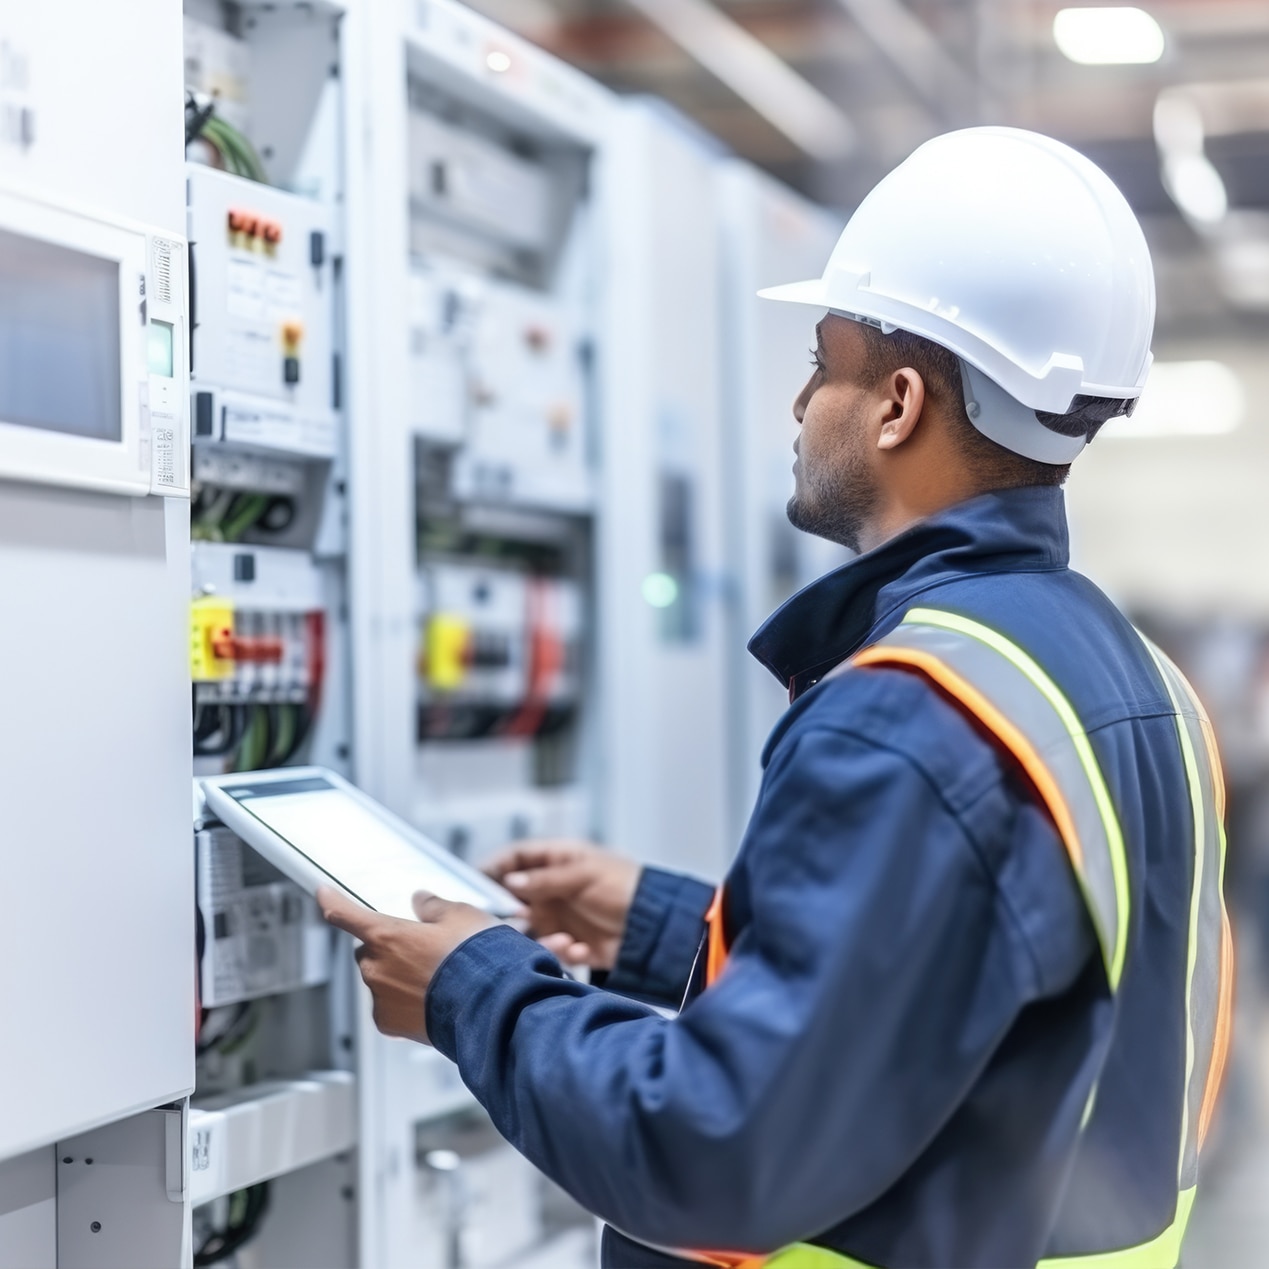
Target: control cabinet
262	350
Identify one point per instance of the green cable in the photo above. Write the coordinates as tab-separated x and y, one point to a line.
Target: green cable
284	738
235	148
252	507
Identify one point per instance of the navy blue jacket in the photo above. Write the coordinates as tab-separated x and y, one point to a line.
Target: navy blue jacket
896	1063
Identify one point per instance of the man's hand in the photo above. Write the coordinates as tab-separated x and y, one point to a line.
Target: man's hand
577	896
398	959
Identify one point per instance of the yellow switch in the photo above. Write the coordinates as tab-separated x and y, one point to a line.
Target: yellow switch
211	623
446	651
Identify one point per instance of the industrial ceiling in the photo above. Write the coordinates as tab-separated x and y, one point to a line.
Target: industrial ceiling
829	94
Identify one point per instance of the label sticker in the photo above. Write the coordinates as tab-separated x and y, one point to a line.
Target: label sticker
246	290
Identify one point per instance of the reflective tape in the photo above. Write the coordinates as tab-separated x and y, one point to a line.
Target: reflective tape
1209	969
1008	691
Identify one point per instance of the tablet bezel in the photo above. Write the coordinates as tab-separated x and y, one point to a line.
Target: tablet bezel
291	858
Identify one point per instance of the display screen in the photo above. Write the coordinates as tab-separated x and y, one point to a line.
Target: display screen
159	348
355	847
59	339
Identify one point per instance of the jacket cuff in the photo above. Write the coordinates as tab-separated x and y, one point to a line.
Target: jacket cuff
464	976
663	934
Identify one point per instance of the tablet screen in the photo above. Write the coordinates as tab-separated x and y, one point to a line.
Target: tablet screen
352	844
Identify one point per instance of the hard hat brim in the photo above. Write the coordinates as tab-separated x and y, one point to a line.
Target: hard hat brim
814	291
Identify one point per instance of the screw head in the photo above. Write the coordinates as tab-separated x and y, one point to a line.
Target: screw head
95	1227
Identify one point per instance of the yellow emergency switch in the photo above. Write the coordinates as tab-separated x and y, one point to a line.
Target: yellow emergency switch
211	625
446	651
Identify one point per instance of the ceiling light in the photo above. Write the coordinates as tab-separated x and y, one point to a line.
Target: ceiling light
1185	398
498	61
1110	36
1196	187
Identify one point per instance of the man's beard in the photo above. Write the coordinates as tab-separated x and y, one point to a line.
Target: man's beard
835	503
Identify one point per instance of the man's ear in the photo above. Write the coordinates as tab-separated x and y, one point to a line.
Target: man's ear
903	399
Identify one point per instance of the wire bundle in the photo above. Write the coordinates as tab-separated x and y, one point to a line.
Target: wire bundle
236	154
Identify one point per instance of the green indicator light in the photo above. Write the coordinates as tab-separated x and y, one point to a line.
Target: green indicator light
660	590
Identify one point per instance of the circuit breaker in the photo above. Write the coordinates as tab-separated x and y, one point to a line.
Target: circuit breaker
257	652
500	372
498	651
261	933
263	367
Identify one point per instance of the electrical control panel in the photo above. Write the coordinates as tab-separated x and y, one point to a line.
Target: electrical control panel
257	653
263	361
93	373
261	933
499	651
500	372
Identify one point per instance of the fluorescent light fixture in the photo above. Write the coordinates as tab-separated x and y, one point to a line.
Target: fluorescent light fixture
498	61
1108	36
1185	398
1196	187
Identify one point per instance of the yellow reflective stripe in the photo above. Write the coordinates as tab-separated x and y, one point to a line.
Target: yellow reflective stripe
1200	850
804	1256
1162	1252
1083	747
1159	1253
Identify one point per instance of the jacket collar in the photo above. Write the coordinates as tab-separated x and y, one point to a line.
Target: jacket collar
1008	531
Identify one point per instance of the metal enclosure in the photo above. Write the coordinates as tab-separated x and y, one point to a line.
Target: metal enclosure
472	334
96	953
664	589
771	235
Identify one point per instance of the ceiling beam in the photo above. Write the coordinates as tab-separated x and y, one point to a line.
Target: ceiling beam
791	104
916	54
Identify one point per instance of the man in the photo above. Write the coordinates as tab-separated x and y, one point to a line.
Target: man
963	997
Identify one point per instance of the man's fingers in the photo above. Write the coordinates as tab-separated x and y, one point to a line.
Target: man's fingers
528	856
568	949
554	881
345	913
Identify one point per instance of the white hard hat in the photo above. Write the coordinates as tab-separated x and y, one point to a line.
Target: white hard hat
1019	255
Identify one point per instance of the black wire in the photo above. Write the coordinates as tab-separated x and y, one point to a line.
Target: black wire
220	1244
230	729
232	1028
278	516
303	725
196	117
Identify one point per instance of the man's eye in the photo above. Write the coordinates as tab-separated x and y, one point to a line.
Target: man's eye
816	360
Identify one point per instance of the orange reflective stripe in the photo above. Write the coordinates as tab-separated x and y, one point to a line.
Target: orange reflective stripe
1224	1031
997	724
716	945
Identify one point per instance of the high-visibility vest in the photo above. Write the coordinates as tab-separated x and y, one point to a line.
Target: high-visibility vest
1004	688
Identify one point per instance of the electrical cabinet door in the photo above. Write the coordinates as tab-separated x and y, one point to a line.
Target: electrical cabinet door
97	939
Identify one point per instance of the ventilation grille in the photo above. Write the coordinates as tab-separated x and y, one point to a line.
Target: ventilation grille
161	270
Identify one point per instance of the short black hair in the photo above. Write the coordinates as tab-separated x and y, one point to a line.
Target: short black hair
940	370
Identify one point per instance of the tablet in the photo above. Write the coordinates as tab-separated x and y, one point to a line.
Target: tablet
319	830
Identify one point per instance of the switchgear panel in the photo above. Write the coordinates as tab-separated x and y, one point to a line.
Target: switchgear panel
499	371
499	651
263	358
262	934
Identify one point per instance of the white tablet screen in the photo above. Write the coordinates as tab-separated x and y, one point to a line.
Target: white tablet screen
352	844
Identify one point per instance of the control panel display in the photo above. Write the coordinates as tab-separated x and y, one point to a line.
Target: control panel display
59	339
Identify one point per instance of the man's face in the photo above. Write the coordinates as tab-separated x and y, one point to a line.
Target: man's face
835	492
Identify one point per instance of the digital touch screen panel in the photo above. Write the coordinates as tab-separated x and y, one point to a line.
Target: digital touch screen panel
59	339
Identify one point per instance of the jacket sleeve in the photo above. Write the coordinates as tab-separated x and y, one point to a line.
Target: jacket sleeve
663	934
879	971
